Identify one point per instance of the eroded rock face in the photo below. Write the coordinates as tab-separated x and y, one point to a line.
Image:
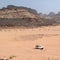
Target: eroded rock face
16	12
22	16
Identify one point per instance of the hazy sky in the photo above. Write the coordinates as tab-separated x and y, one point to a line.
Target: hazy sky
44	6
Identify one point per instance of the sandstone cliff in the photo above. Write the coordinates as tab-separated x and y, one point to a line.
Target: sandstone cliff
22	16
17	12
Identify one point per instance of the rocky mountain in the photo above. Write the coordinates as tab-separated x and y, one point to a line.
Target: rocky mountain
22	16
55	16
17	12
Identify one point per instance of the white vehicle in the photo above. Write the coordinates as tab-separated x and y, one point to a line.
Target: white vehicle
39	47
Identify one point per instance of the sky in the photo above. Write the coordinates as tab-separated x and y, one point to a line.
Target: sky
44	6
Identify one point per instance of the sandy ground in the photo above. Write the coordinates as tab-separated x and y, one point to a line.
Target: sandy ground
21	43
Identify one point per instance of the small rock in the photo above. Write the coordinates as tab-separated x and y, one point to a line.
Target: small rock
1	59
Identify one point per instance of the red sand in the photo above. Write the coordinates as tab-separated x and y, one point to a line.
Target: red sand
21	42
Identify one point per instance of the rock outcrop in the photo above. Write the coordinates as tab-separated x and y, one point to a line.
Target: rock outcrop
22	16
17	12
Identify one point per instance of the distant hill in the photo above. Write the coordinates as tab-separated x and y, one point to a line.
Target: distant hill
22	16
55	16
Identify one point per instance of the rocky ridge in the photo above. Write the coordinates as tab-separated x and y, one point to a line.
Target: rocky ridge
22	16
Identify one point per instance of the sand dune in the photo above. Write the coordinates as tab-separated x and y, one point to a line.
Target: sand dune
21	42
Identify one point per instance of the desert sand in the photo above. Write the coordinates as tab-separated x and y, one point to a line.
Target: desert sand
21	42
